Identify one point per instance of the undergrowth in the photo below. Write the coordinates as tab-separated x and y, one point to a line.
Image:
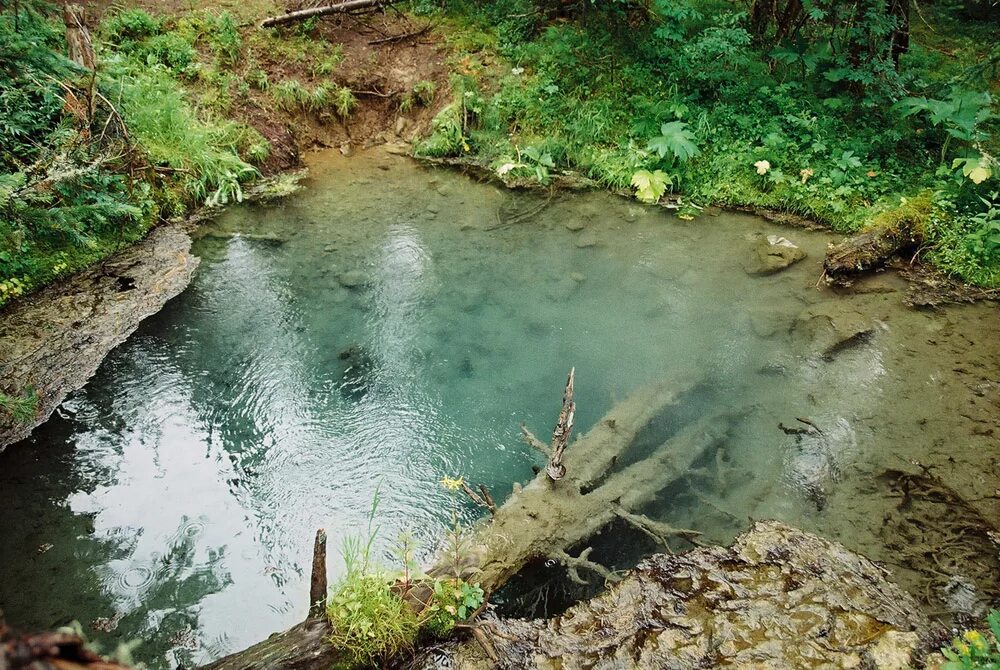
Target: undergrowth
377	612
89	162
706	101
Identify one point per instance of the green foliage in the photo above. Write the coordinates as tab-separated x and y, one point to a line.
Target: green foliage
22	408
650	186
975	651
79	181
225	38
704	92
453	601
675	143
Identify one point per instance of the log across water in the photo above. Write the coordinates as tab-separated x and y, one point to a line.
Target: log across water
546	519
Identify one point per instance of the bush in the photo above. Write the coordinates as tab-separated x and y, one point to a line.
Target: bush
975	651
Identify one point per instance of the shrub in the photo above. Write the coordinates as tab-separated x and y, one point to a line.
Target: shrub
975	651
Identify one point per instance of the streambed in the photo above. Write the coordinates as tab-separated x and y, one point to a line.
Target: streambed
391	326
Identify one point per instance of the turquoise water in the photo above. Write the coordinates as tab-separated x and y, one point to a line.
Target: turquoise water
391	326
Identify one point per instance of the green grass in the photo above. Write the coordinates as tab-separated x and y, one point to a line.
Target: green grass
22	408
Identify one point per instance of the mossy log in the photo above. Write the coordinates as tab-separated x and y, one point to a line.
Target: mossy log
891	233
587	485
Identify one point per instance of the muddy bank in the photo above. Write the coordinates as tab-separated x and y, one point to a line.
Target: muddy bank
54	341
777	598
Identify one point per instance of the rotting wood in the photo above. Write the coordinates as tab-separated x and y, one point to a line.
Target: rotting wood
317	582
303	14
79	47
868	251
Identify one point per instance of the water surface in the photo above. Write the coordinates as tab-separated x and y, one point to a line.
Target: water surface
391	326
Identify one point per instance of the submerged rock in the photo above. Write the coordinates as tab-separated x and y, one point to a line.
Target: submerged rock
587	239
352	278
777	598
772	254
575	225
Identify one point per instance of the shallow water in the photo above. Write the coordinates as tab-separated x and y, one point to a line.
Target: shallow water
392	326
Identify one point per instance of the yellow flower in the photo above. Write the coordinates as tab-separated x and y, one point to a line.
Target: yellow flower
762	167
962	648
452	484
805	174
975	638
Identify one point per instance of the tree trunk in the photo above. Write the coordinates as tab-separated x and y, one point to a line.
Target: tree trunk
79	47
303	14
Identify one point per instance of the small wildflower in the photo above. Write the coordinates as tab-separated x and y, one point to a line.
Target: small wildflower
762	167
805	174
452	484
975	638
872	173
517	70
451	610
962	648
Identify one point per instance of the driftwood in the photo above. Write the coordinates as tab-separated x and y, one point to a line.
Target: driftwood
600	481
869	250
303	14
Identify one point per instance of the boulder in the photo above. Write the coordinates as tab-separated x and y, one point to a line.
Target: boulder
771	254
586	240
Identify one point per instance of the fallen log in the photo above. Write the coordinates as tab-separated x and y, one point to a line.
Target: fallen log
892	232
303	14
549	518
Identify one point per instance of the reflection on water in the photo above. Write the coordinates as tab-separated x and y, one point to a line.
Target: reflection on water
391	326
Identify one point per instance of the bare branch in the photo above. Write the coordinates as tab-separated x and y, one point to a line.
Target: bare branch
656	530
303	14
530	439
574	563
564	427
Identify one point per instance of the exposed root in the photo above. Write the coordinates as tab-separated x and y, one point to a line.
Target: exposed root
530	439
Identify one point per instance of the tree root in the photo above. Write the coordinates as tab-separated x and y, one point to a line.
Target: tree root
574	563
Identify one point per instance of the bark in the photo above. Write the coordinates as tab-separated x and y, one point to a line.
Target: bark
303	14
79	47
317	584
869	250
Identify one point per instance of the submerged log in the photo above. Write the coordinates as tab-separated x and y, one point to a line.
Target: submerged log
600	481
311	12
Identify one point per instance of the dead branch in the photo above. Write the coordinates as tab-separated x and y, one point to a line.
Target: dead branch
530	439
657	531
317	584
483	500
400	38
574	563
560	435
303	14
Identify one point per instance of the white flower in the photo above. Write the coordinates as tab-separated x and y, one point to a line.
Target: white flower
517	70
762	167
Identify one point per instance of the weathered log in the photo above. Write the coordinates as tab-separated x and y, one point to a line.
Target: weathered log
303	14
547	518
49	651
869	250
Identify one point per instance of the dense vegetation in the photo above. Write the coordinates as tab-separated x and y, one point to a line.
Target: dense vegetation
88	162
845	111
830	109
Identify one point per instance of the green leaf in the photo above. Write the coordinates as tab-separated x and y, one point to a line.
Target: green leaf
650	186
674	140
